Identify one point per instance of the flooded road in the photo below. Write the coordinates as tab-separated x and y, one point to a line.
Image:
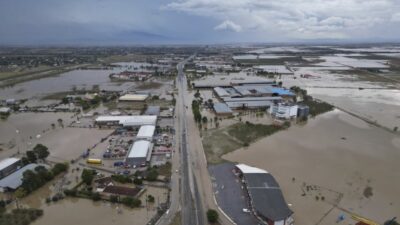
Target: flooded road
339	157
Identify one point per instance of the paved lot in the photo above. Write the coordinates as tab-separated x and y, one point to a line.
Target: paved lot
229	194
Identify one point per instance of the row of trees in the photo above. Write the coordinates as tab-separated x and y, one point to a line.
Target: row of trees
196	111
34	179
38	152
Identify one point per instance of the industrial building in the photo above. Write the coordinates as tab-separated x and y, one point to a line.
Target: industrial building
284	110
133	97
229	81
14	180
276	69
251	96
139	153
8	166
146	132
247	91
222	109
126	121
265	196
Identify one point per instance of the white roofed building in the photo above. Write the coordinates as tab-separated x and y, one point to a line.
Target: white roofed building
134	97
126	121
8	166
139	153
146	132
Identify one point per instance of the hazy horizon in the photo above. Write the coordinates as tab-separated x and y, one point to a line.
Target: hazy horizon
166	22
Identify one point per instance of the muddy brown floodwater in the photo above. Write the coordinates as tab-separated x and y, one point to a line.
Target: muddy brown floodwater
83	211
332	159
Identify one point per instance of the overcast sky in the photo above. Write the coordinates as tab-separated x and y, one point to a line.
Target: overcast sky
197	21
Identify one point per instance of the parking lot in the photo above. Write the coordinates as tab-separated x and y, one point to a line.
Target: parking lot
229	194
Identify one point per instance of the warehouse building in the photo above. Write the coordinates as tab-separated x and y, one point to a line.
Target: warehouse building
126	121
8	166
222	109
276	69
14	180
139	153
133	98
146	132
265	196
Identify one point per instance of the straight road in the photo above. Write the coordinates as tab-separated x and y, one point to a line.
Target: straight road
191	184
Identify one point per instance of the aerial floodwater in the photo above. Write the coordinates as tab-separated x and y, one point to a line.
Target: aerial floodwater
341	156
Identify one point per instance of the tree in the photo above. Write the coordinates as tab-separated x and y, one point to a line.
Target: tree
20	192
59	168
212	216
31	156
64	100
197	94
152	175
150	198
96	196
114	198
131	202
138	181
41	151
88	176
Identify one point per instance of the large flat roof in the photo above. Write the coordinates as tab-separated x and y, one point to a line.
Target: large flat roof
222	108
7	162
14	180
129	120
252	99
266	196
146	131
249	104
274	69
134	97
139	149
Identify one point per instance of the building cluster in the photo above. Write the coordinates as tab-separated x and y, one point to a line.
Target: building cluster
130	75
140	151
277	100
265	196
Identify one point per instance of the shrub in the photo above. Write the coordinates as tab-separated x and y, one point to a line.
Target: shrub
212	216
96	196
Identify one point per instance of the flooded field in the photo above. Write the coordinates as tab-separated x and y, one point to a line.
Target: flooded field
332	159
63	82
375	101
63	143
83	211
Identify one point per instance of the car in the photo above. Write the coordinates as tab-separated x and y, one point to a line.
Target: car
246	210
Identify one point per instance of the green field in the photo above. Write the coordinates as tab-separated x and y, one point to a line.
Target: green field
218	142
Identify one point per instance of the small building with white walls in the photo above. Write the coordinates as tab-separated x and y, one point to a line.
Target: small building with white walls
284	110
